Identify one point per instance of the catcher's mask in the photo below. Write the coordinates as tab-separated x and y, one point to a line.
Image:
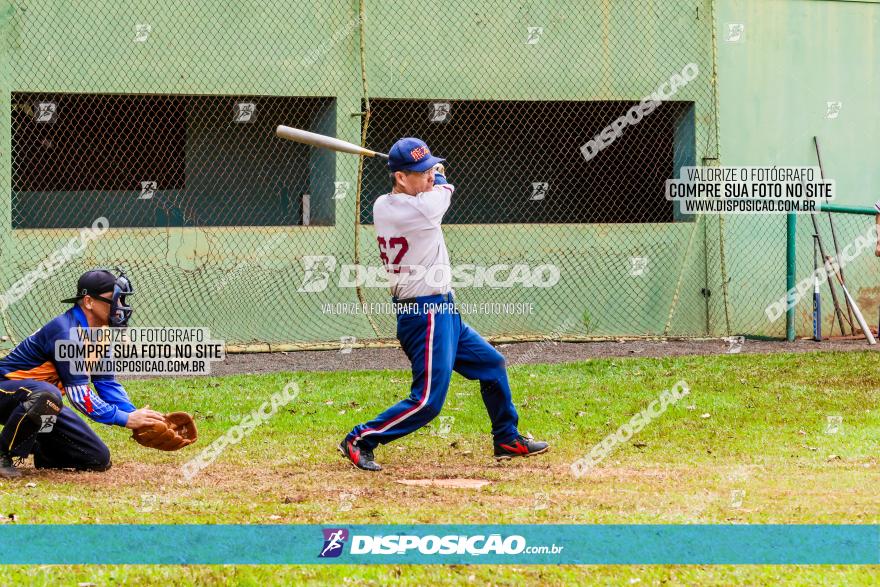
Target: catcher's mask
120	310
94	282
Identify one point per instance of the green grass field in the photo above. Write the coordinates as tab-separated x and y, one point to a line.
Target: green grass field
752	443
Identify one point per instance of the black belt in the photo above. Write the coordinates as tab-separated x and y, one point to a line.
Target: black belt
447	295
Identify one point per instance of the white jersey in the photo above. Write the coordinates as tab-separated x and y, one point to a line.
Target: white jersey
411	241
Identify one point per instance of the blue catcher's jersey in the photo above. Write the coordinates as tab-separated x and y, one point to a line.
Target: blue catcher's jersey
34	358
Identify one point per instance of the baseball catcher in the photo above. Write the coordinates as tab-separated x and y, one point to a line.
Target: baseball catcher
434	337
33	381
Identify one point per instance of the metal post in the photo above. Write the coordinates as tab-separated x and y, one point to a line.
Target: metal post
790	256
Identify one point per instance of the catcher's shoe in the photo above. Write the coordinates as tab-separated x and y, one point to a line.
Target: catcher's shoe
520	447
7	468
362	459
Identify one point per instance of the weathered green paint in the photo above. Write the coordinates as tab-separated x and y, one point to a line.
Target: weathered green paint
774	85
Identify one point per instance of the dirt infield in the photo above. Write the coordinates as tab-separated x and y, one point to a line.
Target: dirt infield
520	354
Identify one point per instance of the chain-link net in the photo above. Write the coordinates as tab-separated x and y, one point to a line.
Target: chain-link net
756	273
517	101
851	239
158	119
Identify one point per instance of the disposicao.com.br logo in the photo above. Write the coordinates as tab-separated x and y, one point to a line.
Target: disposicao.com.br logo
401	544
334	542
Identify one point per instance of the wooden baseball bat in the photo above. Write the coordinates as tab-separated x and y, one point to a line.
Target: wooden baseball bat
859	318
837	311
833	233
310	138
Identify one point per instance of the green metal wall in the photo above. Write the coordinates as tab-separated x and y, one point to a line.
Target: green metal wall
774	84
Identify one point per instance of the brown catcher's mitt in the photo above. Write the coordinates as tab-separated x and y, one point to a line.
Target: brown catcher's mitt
178	430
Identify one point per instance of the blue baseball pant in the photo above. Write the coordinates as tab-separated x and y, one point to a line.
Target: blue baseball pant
68	443
437	341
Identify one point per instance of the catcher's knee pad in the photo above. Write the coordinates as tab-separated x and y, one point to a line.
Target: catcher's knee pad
42	402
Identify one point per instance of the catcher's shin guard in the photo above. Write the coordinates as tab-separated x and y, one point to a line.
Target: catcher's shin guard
37	405
42	403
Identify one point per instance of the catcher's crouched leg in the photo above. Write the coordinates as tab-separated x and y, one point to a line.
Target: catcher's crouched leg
71	444
43	402
27	408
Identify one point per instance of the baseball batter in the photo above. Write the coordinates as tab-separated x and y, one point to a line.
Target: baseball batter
429	327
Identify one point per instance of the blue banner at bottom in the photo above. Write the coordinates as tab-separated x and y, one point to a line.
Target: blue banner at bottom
440	544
